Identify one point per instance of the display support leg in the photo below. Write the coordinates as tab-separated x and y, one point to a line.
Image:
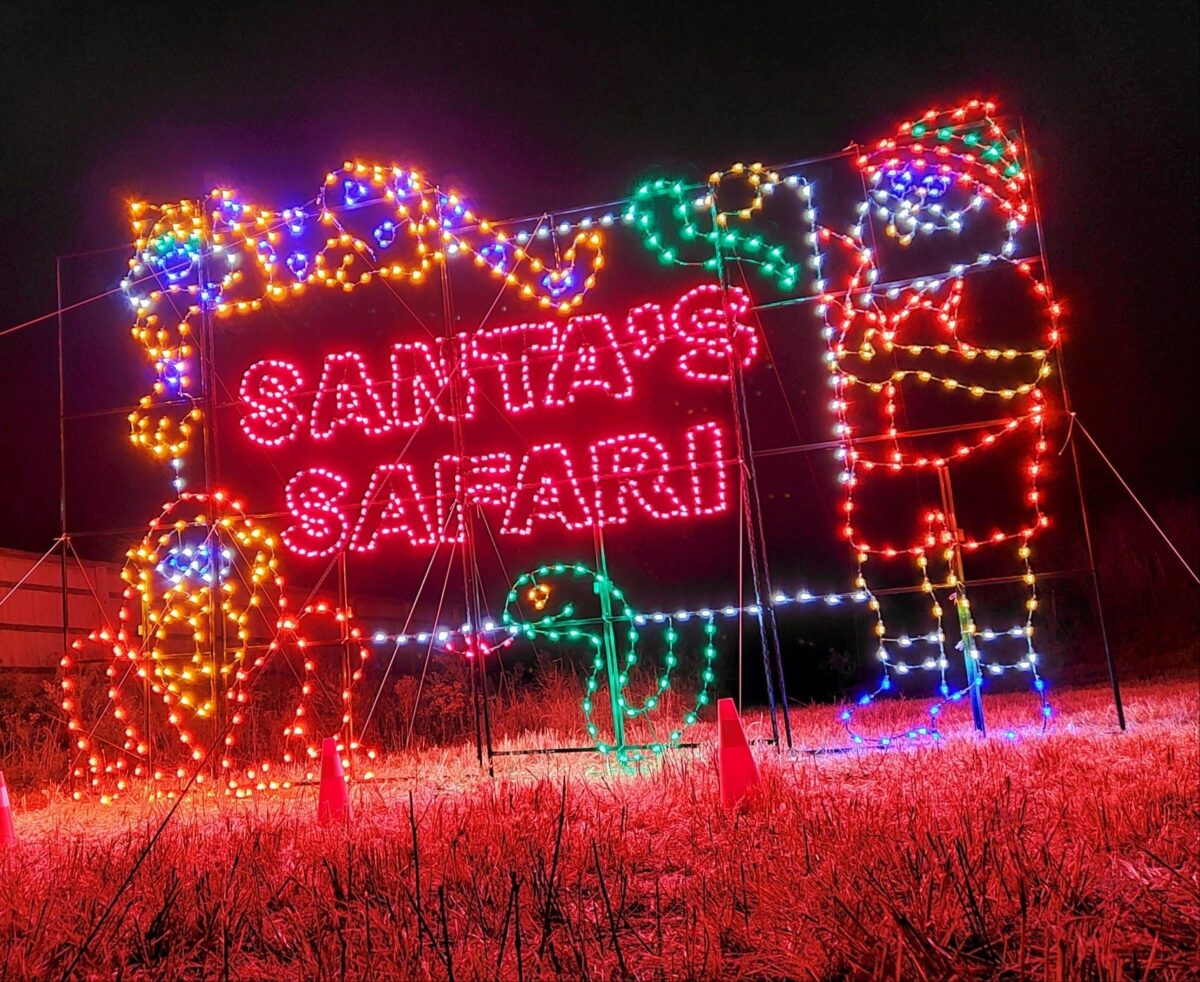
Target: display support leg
760	572
603	587
1083	512
348	654
966	623
480	656
487	714
475	712
1113	681
970	657
751	507
64	580
461	510
218	639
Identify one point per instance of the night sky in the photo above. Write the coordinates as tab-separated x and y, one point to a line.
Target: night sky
532	111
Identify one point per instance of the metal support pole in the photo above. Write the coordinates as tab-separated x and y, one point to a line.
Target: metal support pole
966	623
603	587
62	465
206	357
1083	512
760	570
480	606
472	610
1113	681
348	654
751	506
475	708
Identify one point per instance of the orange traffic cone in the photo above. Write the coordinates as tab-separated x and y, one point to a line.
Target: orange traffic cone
737	773
8	834
333	800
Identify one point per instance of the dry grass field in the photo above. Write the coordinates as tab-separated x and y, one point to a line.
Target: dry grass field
1069	855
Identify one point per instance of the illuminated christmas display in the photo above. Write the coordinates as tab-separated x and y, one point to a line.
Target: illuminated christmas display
581	492
940	173
205	612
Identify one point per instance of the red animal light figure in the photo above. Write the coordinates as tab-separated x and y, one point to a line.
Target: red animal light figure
957	178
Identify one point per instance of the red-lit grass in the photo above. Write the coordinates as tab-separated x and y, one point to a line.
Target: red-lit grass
1069	855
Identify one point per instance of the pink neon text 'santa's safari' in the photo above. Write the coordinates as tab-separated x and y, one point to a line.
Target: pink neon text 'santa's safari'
547	367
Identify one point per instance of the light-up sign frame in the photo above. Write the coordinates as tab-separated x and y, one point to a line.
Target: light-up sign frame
197	263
